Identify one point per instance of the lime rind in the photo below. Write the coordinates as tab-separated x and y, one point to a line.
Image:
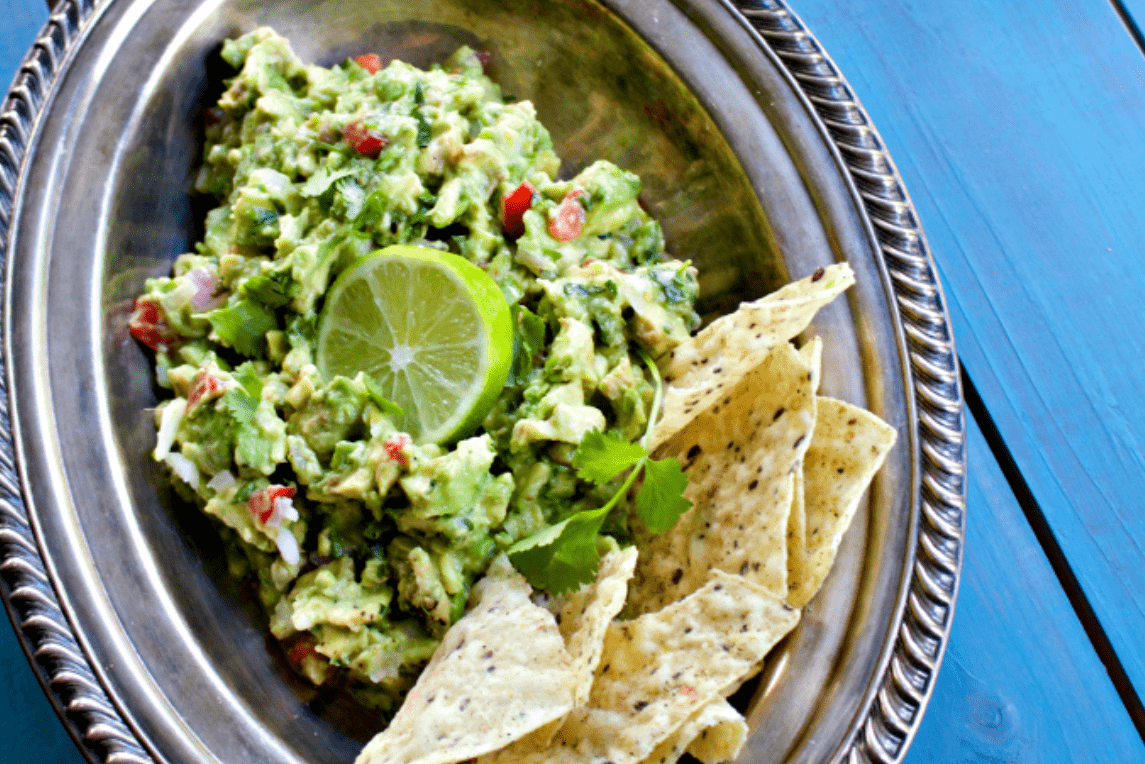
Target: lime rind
432	330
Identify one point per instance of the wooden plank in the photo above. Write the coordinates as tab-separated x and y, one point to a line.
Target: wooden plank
1020	675
1017	127
22	22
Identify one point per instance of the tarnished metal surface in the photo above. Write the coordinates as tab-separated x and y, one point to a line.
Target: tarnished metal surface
756	158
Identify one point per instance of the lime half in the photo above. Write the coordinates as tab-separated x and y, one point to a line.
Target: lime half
432	329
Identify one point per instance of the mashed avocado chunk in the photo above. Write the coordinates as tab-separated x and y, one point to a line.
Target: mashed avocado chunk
363	545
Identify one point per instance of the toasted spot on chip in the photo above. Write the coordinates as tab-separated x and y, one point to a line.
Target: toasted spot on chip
698	370
501	672
741	484
848	447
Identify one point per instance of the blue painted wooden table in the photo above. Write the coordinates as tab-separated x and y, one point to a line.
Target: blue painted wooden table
1019	129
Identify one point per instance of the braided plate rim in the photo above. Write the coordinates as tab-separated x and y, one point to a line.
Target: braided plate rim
60	664
894	709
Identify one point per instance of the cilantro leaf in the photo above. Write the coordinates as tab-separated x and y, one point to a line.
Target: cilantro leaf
241	405
243	326
528	339
601	457
273	290
561	557
247	376
564	556
660	501
321	180
252	447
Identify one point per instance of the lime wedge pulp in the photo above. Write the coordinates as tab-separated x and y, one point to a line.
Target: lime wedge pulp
430	327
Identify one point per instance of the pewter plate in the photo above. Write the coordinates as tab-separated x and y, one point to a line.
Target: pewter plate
761	166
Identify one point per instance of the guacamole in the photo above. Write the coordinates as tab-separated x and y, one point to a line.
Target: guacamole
363	543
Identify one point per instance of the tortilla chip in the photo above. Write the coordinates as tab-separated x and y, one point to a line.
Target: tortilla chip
812	355
740	457
722	733
659	669
713	734
796	530
501	672
586	614
700	371
848	447
583	617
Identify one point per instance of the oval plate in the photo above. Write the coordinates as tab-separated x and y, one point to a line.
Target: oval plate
756	158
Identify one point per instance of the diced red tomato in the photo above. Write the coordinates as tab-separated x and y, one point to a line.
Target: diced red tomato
514	206
396	448
485	57
303	646
214	116
261	502
148	324
205	388
370	62
366	141
567	219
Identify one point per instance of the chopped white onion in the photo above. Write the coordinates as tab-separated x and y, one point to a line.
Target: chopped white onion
287	546
221	481
387	668
168	426
183	467
207	295
284	509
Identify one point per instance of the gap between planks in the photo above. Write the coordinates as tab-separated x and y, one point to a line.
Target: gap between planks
1045	537
1130	23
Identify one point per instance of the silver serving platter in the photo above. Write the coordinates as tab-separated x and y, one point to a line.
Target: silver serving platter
756	157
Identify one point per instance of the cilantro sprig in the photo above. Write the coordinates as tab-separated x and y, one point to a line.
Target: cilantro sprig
564	556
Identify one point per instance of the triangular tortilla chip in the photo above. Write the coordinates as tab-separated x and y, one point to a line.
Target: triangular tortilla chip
740	457
586	614
812	355
848	447
700	371
501	672
713	734
583	617
659	670
722	733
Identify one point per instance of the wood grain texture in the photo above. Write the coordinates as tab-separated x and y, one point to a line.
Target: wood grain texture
1020	682
1017	127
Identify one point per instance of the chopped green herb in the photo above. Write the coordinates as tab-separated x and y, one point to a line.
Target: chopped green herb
528	340
243	326
564	557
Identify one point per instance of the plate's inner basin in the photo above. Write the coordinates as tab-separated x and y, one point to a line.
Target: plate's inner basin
728	187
